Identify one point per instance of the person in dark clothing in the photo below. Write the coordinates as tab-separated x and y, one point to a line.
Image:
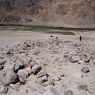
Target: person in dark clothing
80	38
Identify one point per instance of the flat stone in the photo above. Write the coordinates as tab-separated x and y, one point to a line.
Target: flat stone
36	69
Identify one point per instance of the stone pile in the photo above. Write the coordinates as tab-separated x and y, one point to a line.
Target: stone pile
43	66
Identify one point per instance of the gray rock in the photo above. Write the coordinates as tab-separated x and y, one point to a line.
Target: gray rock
3	89
41	73
23	74
85	70
51	91
8	66
18	65
42	79
74	59
36	69
10	77
67	92
28	43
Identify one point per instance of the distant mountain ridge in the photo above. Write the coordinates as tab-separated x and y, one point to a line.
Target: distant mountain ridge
71	13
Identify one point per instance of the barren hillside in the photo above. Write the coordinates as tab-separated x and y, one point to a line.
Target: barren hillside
74	13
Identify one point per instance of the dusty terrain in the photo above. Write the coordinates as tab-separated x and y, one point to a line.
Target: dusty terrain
44	64
70	13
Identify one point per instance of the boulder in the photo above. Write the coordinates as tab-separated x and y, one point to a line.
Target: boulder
10	77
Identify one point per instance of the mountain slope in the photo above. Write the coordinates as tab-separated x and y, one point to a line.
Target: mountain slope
73	13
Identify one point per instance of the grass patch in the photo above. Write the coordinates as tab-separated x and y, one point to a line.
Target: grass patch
45	29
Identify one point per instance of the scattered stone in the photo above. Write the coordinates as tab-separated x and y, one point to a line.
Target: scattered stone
23	74
83	87
10	77
42	79
3	89
85	70
28	43
74	59
36	69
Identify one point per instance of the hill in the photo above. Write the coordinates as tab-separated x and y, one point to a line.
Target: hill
71	13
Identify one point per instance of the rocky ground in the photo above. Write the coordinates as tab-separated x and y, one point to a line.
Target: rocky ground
45	64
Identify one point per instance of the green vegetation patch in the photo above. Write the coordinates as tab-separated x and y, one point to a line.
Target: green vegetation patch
45	29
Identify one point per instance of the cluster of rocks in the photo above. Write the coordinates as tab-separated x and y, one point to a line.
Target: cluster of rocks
14	70
31	60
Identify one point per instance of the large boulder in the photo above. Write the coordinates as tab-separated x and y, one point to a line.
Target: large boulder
10	77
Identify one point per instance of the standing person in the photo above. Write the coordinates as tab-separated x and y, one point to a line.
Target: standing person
80	38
